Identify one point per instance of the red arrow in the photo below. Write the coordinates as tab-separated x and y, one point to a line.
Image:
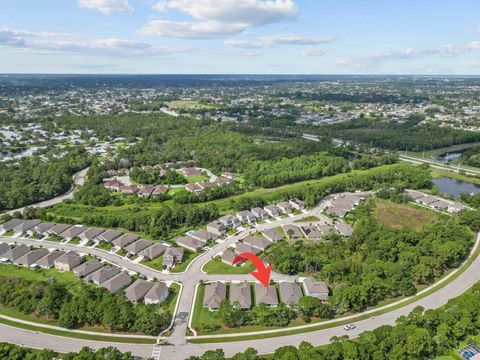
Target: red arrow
263	273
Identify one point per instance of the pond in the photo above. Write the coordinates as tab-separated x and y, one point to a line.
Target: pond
455	187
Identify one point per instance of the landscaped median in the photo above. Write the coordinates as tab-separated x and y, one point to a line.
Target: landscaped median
255	335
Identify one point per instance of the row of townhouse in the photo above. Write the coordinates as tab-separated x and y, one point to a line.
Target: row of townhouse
341	206
132	244
316	231
435	202
93	271
240	294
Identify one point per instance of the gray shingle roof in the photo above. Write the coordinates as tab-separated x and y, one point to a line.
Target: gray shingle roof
242	294
290	293
125	240
117	282
215	293
137	290
266	295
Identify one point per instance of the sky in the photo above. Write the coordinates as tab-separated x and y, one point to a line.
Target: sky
240	36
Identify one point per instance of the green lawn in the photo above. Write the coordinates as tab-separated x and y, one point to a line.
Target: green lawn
203	318
38	274
156	264
199	178
75	241
172	299
187	259
216	266
104	246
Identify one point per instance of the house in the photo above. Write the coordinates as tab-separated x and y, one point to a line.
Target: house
154	251
146	191
114	185
87	268
68	261
214	294
272	235
220	181
229	175
285	207
246	216
4	248
116	283
315	288
324	229
241	295
125	240
193	188
297	204
137	246
9	225
266	295
440	205
16	252
129	189
455	208
292	231
58	229
103	274
108	236
228	256
204	185
157	294
335	211
344	229
272	210
172	256
25	226
217	228
242	248
257	242
40	228
414	194
427	200
290	293
31	257
190	243
72	232
159	190
191	171
48	261
91	234
259	213
229	221
204	235
138	290
311	232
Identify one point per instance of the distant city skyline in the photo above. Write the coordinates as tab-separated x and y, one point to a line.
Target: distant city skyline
240	37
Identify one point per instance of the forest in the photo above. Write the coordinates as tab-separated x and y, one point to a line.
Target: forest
471	156
377	263
33	180
422	335
86	306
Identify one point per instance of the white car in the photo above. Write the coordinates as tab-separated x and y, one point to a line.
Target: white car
349	327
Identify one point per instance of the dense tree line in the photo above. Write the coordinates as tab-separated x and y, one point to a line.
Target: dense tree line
32	179
423	335
15	352
370	161
218	192
471	156
90	306
376	263
283	171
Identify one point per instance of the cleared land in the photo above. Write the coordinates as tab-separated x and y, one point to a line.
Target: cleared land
404	216
216	266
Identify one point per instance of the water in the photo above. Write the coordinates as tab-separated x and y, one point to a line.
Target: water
446	157
454	187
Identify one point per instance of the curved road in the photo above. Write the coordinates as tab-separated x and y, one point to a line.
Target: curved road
180	349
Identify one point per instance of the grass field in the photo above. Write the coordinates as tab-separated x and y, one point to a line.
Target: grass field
189	104
437	173
187	259
38	274
404	216
199	178
216	266
156	264
202	318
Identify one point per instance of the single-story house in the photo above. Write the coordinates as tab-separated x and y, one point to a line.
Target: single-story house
272	210
109	235
214	294
159	190
257	242
25	226
154	251
190	243
272	235
114	185
48	261
204	185
146	191
129	189
427	200
72	232
4	247
297	204
259	213
311	232
290	293
191	171
221	181
16	252
103	274
335	211
204	235
246	216
193	188
455	208
414	194
241	295
137	246
138	290
40	228
228	175
173	256
315	288
157	294
124	240
31	257
344	229
293	231
266	295
285	207
324	229
228	256
440	205
87	268
58	229
10	225
242	248
91	234
117	282
68	261
216	227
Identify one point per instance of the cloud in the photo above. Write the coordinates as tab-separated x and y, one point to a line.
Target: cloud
263	42
314	52
56	43
218	18
106	6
